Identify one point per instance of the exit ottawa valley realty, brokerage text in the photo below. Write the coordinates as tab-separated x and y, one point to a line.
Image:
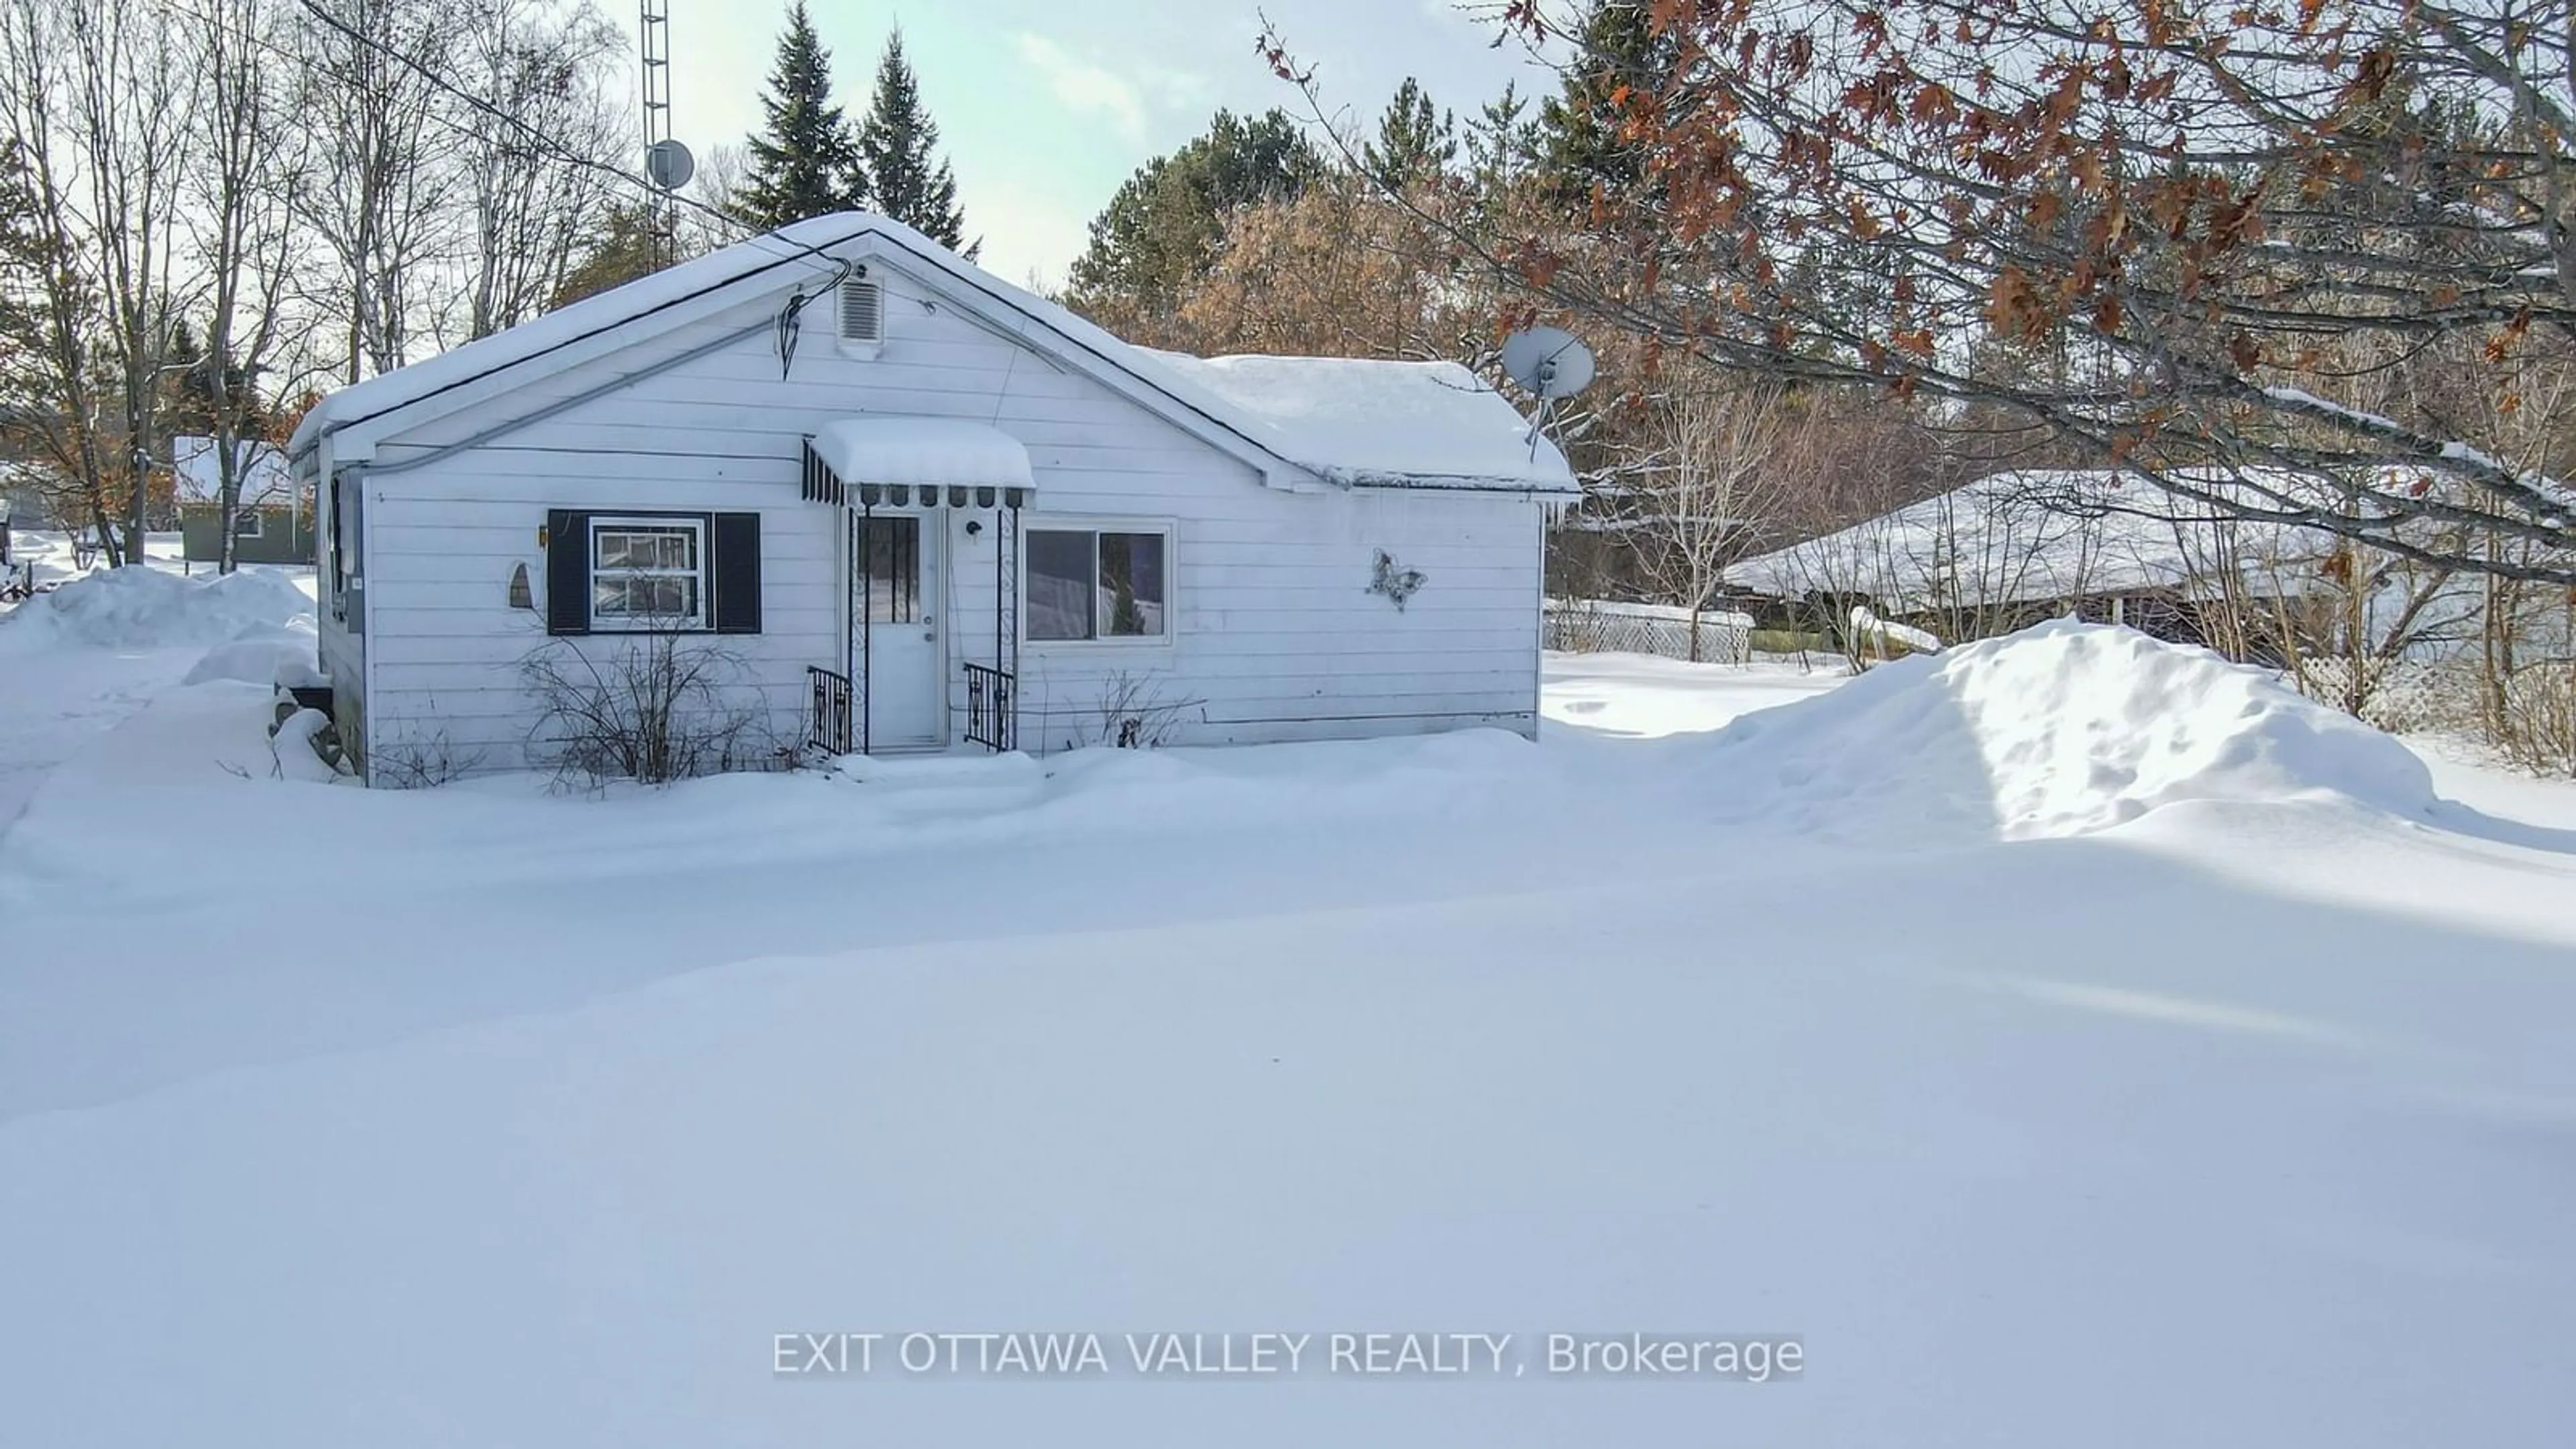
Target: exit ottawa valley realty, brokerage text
1739	1358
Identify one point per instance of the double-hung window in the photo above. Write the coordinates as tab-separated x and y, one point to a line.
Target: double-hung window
648	573
1112	584
634	572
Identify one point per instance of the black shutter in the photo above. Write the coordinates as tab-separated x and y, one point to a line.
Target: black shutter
567	572
737	573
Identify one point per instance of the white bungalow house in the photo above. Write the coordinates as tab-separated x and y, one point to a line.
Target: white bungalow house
918	508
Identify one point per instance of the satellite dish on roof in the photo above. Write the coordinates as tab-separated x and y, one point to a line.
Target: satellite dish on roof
668	165
1550	362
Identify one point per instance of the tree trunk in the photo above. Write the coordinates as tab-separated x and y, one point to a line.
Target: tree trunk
138	467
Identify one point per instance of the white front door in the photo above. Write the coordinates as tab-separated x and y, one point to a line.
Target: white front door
898	607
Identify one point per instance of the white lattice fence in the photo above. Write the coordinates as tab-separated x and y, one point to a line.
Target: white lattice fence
1595	626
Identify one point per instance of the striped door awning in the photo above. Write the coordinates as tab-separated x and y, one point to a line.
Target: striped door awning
916	462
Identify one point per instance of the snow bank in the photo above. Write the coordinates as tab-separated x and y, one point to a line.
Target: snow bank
273	656
151	609
2058	730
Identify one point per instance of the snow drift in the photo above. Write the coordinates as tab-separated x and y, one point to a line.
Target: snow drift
151	609
265	656
2061	729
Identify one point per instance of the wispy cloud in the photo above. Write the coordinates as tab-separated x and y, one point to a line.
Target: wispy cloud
1086	85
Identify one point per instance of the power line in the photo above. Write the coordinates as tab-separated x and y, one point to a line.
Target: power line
783	251
752	233
549	144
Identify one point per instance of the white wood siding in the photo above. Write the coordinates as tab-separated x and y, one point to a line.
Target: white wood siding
1276	633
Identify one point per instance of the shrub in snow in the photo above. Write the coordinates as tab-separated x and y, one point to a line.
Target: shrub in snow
652	711
2536	719
420	760
2057	730
1135	715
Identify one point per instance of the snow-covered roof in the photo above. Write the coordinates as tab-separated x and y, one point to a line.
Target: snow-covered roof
2034	537
1347	422
1357	421
197	474
911	452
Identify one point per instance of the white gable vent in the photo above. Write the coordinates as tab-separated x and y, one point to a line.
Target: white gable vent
862	311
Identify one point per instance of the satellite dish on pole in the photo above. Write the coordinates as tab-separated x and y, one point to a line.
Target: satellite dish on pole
1550	362
668	165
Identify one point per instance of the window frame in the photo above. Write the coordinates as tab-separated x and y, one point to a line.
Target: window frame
1165	528
249	522
701	530
886	527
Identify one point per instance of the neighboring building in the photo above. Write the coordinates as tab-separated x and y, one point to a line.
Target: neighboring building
2014	548
271	524
917	507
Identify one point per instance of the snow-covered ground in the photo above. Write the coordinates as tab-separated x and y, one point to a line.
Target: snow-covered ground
50	550
74	662
2068	1041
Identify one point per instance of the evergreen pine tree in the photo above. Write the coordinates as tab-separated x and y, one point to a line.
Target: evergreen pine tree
803	163
1502	142
1160	230
618	250
1619	49
898	151
1414	141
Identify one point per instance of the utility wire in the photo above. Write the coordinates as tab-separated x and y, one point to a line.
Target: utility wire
784	251
549	144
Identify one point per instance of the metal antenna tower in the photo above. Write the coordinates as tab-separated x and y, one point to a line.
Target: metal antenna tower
662	212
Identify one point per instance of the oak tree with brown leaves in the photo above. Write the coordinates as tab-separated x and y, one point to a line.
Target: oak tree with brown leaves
2321	246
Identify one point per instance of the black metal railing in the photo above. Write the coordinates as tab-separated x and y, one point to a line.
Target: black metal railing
830	729
989	712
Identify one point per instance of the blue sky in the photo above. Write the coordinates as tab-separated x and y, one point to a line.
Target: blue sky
1045	106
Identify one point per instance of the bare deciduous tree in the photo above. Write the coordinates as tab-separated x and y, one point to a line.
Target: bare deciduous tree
384	177
252	163
537	70
100	112
1724	459
55	379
